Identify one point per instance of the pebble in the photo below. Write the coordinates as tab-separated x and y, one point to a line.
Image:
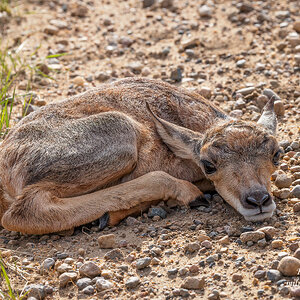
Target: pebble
67	277
157	211
64	268
143	263
241	63
35	290
89	269
47	264
252	236
132	282
103	284
89	290
207	244
78	9
282	194
237	277
176	74
269	231
295	292
277	244
246	91
295	192
115	254
148	3
192	247
224	240
296	26
193	283
206	92
273	275
279	108
297	253
283	181
296	207
289	266
260	274
51	30
270	93
205	11
83	282
107	241
59	24
79	81
102	76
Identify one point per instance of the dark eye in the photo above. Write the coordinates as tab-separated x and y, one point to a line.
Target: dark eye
276	157
209	168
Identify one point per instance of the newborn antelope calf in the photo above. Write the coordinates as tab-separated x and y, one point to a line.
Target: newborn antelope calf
119	148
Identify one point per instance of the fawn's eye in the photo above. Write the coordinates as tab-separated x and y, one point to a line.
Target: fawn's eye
276	157
209	168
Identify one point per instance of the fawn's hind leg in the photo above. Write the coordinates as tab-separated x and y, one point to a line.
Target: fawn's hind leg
38	211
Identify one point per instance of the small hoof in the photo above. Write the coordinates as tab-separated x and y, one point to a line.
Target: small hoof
199	201
103	221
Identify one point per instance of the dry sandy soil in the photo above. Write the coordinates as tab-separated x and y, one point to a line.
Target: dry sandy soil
216	50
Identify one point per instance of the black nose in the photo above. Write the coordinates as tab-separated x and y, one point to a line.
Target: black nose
257	199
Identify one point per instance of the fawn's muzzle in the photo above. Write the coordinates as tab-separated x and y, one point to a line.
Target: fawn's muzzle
257	199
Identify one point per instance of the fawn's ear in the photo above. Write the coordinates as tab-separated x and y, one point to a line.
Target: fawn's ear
268	118
183	142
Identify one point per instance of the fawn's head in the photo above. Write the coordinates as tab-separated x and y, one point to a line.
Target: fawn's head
237	156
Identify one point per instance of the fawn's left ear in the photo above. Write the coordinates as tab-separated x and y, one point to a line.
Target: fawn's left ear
183	142
268	118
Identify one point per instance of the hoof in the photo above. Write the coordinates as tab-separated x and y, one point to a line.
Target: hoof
199	201
103	221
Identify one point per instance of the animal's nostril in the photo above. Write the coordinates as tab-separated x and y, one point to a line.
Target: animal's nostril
252	201
258	199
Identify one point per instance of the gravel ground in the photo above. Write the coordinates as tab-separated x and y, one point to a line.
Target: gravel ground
235	54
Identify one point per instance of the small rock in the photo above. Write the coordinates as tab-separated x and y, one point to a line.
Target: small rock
283	181
79	81
206	244
289	266
52	30
295	192
157	211
148	3
89	269
277	244
193	283
260	274
103	284
297	253
205	11
295	292
136	67
282	194
59	24
115	254
206	92
89	290
192	247
176	75
296	207
143	263
102	76
35	290
237	277
63	268
107	241
269	231
296	26
132	282
246	91
79	10
273	275
253	236
47	264
279	108
67	277
224	240
270	93
83	283
241	63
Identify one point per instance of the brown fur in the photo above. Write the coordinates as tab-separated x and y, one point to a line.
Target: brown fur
103	151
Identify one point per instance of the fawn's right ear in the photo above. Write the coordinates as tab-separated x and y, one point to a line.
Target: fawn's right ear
268	118
183	142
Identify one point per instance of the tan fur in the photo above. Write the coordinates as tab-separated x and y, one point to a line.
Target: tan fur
103	151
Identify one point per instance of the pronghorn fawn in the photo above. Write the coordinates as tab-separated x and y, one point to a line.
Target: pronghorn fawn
118	149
